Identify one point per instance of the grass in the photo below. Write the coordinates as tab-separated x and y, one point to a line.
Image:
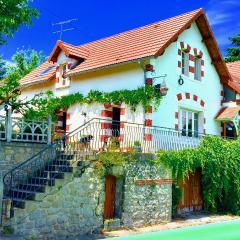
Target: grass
218	231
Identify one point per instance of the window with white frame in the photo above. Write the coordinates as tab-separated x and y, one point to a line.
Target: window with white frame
197	68
189	123
185	63
62	78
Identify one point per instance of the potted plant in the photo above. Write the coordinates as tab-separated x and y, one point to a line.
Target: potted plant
137	146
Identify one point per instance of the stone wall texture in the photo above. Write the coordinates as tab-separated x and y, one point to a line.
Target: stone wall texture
75	205
71	208
14	153
146	204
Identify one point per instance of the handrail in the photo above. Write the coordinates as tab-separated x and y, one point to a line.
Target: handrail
41	163
93	136
44	149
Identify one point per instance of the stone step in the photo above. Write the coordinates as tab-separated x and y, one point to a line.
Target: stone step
23	194
62	162
18	203
32	187
60	168
42	181
51	174
64	156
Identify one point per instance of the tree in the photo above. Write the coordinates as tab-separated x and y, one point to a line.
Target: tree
233	53
14	13
24	61
3	68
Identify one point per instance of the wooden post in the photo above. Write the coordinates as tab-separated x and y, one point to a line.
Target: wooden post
9	124
49	130
224	129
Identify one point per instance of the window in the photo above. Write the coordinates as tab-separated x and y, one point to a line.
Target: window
189	122
44	71
185	63
63	69
197	68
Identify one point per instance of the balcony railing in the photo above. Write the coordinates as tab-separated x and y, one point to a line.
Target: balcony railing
23	130
99	134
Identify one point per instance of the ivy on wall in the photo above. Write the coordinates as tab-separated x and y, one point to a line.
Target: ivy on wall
112	156
220	163
46	104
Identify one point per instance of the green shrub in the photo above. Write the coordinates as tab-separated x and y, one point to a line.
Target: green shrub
8	230
220	163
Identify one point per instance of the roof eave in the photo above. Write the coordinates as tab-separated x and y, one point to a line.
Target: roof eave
107	66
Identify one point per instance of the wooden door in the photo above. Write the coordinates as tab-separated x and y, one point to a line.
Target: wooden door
191	192
110	192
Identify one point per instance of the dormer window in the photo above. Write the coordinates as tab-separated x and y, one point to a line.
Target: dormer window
62	80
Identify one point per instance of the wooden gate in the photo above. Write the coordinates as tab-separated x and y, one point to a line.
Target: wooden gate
110	192
191	193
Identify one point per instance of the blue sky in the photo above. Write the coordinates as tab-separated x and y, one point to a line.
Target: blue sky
101	18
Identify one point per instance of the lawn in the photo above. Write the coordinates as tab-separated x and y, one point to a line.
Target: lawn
219	231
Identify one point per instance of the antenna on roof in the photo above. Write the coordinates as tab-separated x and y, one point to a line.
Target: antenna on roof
62	23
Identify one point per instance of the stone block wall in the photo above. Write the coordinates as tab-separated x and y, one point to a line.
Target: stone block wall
148	203
76	207
12	154
15	153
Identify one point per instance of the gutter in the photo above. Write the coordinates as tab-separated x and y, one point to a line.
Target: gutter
137	60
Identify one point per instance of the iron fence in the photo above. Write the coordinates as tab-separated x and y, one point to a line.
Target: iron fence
101	134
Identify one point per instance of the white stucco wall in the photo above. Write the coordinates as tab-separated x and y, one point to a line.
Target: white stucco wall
130	76
208	89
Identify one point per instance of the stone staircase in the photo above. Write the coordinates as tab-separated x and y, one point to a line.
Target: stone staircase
47	171
54	175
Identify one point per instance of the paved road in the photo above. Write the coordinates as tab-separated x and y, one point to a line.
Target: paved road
217	231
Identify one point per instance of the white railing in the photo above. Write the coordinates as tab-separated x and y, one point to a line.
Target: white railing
29	131
149	139
17	129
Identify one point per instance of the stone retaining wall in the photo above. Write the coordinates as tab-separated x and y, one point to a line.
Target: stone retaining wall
76	207
12	154
70	209
150	203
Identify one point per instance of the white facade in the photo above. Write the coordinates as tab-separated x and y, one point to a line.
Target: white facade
208	89
132	75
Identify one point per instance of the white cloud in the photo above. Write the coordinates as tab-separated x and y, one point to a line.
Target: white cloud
218	18
219	12
223	17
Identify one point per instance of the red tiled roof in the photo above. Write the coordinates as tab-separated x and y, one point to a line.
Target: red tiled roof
69	50
234	69
146	41
227	113
138	43
40	74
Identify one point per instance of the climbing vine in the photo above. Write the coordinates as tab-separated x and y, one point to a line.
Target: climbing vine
219	160
112	156
46	104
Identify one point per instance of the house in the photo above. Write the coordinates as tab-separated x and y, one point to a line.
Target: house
228	115
180	58
184	57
